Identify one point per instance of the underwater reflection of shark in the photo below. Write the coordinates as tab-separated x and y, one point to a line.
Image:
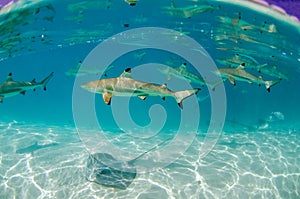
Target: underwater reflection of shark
104	169
34	147
11	88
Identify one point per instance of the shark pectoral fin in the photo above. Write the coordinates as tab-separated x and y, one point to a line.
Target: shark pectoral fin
22	92
169	77
33	80
1	99
231	80
142	97
107	97
250	82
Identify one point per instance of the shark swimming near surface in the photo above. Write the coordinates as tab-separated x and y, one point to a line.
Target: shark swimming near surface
125	85
233	74
78	71
181	72
11	88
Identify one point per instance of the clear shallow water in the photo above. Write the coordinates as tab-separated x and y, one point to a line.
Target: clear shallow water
256	155
243	164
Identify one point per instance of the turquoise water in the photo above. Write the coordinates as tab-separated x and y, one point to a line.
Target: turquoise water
229	142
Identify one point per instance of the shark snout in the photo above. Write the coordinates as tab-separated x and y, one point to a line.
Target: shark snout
85	86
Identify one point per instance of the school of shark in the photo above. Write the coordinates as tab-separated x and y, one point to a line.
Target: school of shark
237	41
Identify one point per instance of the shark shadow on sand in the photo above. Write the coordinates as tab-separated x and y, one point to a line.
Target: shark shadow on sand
34	147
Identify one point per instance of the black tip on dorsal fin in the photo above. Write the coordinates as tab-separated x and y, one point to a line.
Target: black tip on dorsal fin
163	98
243	64
128	70
268	89
184	64
80	62
9	77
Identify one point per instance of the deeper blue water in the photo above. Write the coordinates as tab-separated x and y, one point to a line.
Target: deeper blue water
229	142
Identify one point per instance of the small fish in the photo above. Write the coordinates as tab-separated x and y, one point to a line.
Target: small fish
139	55
233	74
125	85
11	88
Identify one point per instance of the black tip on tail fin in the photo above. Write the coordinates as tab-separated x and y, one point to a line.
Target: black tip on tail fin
180	105
269	89
46	80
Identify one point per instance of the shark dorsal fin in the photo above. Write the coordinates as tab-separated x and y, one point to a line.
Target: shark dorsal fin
241	67
183	66
173	4
9	77
33	80
164	86
126	73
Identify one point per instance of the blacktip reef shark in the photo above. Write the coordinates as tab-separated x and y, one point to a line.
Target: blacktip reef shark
11	88
125	85
181	72
233	74
76	71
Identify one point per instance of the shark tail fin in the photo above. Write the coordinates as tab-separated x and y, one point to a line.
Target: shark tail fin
213	85
181	95
46	80
269	84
